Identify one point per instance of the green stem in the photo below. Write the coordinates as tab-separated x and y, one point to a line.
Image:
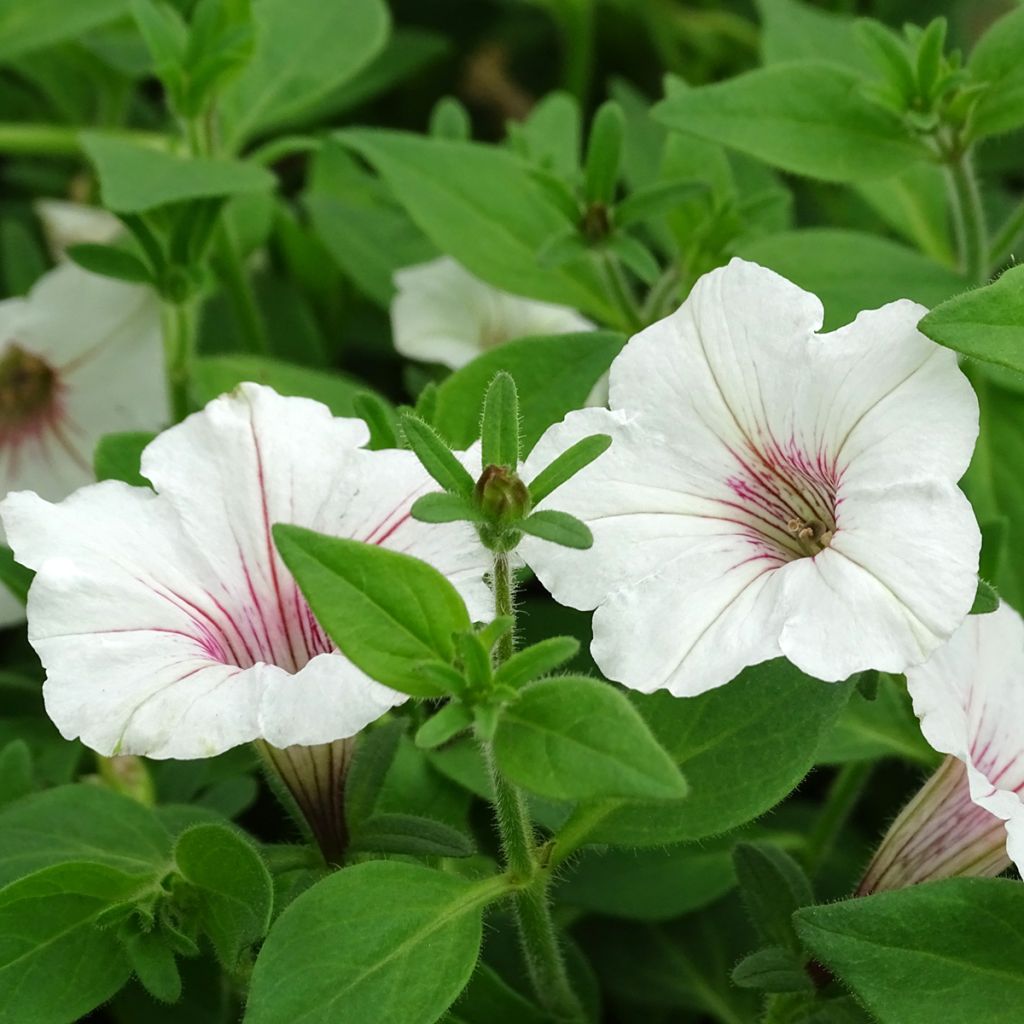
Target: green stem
544	961
661	292
179	324
632	319
842	797
239	288
1009	234
969	221
59	140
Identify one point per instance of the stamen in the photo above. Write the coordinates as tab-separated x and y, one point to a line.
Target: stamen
28	386
813	535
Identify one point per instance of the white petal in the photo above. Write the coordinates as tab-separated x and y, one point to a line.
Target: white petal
724	365
896	406
124	620
970	699
443	314
326	700
898	578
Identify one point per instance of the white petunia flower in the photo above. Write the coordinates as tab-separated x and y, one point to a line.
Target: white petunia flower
443	314
80	357
968	819
167	623
66	223
769	491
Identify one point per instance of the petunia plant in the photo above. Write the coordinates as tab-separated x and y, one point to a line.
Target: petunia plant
511	512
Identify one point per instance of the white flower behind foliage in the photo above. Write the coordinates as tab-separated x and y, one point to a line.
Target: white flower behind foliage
769	491
443	314
80	357
167	623
66	223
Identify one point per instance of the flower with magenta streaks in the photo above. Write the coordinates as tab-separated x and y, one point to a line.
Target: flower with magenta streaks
166	621
968	818
81	356
769	491
443	314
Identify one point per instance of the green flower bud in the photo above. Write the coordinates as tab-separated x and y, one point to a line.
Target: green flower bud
502	496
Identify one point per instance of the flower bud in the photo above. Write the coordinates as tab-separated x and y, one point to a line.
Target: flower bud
502	496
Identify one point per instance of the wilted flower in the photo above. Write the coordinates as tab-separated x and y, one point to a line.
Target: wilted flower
80	357
66	223
769	491
443	314
968	819
168	624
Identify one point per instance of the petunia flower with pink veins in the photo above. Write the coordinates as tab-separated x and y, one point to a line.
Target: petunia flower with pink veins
770	491
81	356
165	619
968	818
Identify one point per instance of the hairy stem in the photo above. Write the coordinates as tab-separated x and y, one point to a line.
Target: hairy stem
541	950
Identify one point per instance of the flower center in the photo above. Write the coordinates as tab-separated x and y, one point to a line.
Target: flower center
785	497
28	388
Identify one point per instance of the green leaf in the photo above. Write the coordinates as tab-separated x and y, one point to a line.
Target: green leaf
915	204
996	60
604	153
986	323
850	270
773	887
13	575
48	933
135	178
25	28
572	738
742	747
883	727
792	30
772	969
233	891
218	375
450	120
304	51
412	835
489	999
437	457
567	465
15	771
985	600
657	200
154	965
946	951
80	822
481	205
377	941
110	261
375	752
558	528
550	135
387	612
445	508
368	234
993	482
658	884
118	457
380	417
499	431
452	719
537	660
553	374
806	117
